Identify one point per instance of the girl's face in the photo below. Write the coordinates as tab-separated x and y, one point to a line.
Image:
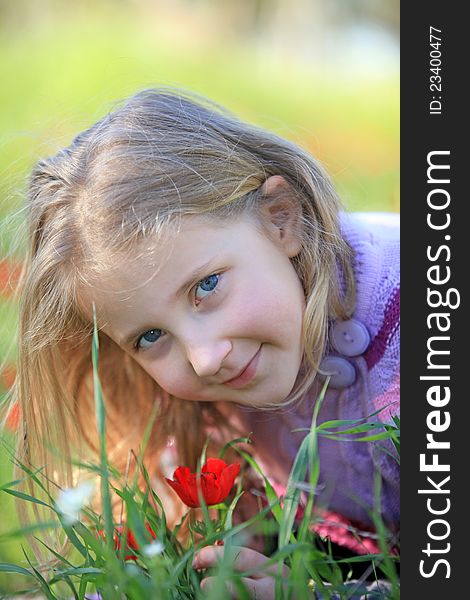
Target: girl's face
216	315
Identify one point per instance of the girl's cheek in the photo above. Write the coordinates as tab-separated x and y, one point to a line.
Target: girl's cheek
257	316
174	381
179	390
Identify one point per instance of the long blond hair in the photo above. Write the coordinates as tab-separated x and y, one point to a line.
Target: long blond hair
163	154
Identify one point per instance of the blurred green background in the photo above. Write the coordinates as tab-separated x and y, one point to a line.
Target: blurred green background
322	73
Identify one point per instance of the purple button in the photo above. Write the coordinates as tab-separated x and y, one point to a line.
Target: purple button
342	372
350	338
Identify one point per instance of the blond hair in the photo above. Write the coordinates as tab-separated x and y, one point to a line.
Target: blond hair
160	156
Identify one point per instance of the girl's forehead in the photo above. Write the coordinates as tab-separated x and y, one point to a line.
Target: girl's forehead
189	247
149	273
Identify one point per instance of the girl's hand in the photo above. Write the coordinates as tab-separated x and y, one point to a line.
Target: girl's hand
260	584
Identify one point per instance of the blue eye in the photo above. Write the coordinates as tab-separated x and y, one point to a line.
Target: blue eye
149	338
206	286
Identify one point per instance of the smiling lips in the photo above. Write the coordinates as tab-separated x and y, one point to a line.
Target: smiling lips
246	375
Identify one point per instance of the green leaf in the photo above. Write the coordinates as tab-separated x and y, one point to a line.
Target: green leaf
385	435
11	484
202	502
70	532
42	582
292	497
80	571
270	491
32	475
26	497
338	423
352	430
9	568
232	444
307	456
52	551
101	426
231	508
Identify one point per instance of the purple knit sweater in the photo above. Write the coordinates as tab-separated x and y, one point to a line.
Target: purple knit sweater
346	484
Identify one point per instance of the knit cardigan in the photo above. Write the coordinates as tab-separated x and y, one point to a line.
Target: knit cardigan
347	468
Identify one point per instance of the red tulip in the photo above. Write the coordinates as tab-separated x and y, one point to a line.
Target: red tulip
131	542
215	482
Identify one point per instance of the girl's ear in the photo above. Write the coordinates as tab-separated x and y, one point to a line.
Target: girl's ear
282	213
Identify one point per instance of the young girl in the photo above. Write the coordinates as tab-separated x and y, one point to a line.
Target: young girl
227	285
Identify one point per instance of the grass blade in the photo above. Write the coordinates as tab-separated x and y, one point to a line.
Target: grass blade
26	497
101	426
9	568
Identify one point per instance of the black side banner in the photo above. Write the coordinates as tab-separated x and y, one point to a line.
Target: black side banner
435	326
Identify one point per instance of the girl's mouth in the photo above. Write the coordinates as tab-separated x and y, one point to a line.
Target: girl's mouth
246	375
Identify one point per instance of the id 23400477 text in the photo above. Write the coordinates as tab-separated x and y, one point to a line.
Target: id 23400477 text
435	68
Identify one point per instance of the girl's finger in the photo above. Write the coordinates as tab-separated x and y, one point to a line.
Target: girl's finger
242	559
258	589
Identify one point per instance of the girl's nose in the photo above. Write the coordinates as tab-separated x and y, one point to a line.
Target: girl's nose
207	358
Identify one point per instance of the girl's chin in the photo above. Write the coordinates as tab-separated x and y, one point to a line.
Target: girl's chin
259	395
269	400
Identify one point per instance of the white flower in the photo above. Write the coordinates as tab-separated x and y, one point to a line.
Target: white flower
72	500
153	549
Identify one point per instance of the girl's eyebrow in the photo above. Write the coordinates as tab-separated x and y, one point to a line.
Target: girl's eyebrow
196	275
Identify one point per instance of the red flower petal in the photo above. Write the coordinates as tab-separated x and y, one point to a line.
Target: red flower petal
211	488
184	486
227	479
131	542
216	481
214	465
